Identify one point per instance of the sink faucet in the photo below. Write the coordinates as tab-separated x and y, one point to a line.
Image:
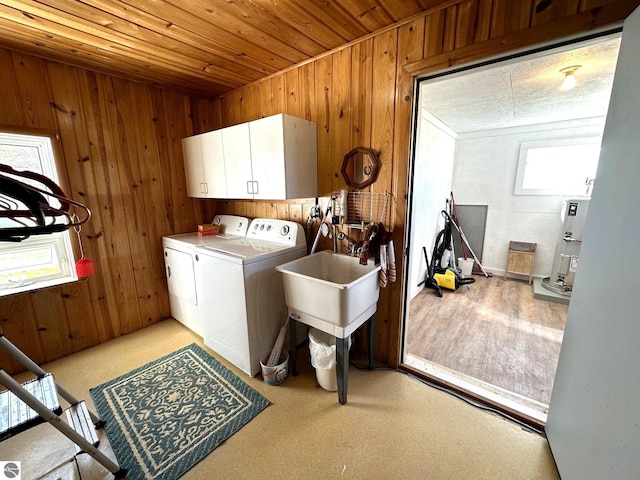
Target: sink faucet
352	245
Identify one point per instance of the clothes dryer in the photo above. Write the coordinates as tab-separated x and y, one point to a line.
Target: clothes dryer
180	260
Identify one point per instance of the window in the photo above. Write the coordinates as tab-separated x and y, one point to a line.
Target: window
40	260
557	167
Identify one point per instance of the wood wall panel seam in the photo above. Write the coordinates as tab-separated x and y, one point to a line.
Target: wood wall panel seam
71	125
96	234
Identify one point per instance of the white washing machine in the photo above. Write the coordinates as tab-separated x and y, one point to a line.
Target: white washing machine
180	260
244	305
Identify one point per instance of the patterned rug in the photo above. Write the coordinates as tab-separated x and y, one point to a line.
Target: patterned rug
164	417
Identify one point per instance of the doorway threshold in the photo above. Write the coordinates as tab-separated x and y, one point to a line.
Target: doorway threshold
521	408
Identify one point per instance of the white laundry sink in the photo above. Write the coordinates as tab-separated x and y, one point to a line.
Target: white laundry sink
331	291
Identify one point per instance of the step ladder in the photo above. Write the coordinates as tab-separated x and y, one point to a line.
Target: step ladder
36	401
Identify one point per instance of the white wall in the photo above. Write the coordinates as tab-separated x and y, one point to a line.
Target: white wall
484	174
433	171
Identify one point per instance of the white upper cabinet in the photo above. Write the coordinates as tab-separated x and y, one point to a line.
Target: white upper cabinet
237	161
192	151
284	158
213	166
273	158
204	165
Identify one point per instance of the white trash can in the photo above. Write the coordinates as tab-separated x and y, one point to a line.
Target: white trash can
322	347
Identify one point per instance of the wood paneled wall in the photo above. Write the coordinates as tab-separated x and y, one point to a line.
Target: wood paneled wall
122	157
362	95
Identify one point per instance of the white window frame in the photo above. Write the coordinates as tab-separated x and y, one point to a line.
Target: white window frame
60	242
522	165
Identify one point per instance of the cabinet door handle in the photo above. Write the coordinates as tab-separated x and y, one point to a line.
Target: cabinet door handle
249	184
256	190
206	188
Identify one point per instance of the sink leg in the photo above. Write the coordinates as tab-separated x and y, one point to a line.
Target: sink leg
293	345
342	368
372	334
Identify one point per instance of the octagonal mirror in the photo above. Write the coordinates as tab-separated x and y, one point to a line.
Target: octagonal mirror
360	167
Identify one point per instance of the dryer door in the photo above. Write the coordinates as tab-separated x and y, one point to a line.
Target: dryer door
180	275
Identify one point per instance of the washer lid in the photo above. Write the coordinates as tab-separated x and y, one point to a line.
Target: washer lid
233	227
246	249
190	240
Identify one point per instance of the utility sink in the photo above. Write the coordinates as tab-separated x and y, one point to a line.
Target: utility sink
330	291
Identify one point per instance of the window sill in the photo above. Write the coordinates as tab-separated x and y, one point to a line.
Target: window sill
32	287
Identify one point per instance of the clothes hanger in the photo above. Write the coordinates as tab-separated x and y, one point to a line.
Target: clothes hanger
39	217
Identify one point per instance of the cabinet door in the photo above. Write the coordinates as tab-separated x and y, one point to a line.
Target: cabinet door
267	158
192	152
237	161
213	165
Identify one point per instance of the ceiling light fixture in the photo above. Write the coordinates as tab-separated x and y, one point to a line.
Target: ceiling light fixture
569	80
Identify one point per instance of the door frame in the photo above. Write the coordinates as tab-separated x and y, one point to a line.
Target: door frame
484	401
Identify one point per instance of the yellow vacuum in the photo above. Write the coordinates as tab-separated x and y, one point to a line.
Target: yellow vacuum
439	275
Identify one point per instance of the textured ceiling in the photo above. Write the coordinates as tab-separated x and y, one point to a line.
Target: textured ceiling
525	91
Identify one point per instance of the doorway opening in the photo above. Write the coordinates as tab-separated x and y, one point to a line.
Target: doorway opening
495	340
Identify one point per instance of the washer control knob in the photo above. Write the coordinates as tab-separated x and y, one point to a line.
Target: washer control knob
284	230
255	227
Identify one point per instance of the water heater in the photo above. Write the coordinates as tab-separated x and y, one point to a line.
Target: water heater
567	255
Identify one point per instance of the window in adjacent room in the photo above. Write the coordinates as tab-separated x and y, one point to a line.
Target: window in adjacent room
557	167
40	260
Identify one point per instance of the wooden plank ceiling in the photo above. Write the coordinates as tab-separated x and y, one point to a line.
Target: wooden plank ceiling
205	47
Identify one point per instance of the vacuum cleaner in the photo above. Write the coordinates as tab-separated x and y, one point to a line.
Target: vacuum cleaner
440	271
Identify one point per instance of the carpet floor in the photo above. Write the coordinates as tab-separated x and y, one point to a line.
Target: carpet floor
391	427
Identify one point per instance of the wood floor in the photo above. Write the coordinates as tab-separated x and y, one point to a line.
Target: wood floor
494	331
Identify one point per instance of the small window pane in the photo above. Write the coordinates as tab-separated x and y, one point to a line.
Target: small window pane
557	169
21	157
23	265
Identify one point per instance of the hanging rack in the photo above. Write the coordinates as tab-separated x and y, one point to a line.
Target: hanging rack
359	209
29	208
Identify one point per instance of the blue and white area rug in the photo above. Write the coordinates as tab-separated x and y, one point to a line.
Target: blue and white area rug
164	417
